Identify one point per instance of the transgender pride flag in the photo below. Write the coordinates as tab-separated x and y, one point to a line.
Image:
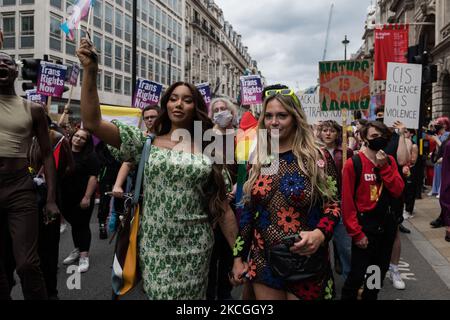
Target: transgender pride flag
77	12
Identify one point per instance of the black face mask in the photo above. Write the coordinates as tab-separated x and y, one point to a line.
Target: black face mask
378	144
380	120
438	128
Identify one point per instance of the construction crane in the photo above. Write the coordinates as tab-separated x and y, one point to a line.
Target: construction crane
328	32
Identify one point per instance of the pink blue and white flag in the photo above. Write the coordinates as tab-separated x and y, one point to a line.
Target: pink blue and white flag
77	12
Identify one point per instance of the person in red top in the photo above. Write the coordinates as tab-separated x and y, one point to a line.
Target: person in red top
366	210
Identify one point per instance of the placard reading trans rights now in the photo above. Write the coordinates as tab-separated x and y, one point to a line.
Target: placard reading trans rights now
403	90
51	79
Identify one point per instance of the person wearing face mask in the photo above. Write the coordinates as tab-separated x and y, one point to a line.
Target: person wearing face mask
224	116
366	199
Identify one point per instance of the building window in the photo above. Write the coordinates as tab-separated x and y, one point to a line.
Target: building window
128	28
158	18
127	87
98	15
26	30
25	2
98	46
127	59
157	71
109	18
151	61
164	23
71	47
108	82
157	45
108	52
55	33
128	5
118	84
54	3
151	14
118	56
9	31
144	10
144	37
143	66
119	24
151	41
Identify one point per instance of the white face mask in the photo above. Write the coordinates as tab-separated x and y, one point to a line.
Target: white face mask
223	118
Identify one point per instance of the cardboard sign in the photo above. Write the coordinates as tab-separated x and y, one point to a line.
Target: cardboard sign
344	85
313	110
33	96
51	79
74	74
148	93
251	90
205	90
403	91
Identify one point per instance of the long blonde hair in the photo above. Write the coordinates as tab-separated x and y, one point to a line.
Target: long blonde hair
305	147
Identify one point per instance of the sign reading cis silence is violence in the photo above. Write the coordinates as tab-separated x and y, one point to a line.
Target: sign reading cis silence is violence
344	85
403	91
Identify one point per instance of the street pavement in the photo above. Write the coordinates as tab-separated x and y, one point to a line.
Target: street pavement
418	270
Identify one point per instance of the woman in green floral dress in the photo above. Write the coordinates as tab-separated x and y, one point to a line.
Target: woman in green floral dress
184	191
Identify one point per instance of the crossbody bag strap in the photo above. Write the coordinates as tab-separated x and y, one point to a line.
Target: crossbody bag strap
140	173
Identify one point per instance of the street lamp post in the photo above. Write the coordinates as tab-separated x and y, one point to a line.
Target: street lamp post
345	43
169	53
344	113
134	50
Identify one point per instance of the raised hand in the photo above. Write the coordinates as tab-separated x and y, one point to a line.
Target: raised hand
87	54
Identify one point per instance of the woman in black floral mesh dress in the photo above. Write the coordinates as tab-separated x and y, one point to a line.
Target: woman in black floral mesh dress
289	192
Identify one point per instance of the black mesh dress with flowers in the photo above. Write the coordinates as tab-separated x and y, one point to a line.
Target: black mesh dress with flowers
280	206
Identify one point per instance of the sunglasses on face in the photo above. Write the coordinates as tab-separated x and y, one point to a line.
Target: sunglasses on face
284	92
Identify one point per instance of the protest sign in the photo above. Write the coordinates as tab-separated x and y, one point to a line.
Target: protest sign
51	79
33	96
148	93
251	90
314	114
73	79
403	91
344	85
205	90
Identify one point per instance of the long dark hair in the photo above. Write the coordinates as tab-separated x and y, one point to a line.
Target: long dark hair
214	189
88	147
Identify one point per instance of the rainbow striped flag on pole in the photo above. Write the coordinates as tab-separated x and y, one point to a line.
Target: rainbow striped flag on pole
77	12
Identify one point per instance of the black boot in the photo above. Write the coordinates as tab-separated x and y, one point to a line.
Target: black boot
438	223
403	229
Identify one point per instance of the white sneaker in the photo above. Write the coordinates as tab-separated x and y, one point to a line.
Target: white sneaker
437	196
63	228
83	265
430	194
396	278
407	215
73	256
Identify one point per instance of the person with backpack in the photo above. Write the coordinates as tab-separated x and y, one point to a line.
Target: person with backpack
370	181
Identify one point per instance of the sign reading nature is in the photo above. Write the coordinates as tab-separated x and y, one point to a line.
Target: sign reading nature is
344	85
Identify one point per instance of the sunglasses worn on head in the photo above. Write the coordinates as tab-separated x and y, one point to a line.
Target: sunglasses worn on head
284	92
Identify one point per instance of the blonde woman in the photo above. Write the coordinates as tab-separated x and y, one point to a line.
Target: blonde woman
296	202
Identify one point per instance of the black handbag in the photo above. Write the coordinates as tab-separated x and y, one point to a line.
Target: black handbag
292	267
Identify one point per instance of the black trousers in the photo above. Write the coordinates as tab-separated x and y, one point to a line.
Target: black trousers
410	190
18	205
378	253
105	201
79	220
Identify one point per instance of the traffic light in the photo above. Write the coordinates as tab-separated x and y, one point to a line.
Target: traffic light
30	69
429	71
